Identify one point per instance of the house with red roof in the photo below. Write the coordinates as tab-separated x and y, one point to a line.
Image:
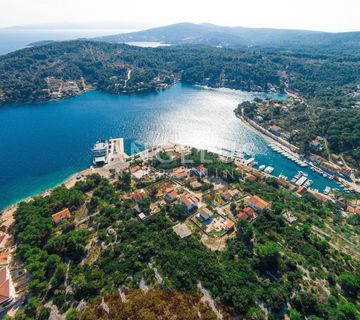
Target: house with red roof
180	174
250	212
138	195
246	214
229	225
4	258
275	130
301	191
316	144
229	194
258	204
346	171
242	215
200	171
171	195
250	177
5	289
58	217
189	201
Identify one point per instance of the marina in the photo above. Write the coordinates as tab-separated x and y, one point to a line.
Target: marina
288	154
69	128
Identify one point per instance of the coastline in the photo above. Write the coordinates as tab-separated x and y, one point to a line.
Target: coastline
269	139
266	137
69	182
121	163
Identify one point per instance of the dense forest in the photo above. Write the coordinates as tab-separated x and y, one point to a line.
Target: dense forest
326	76
268	262
240	37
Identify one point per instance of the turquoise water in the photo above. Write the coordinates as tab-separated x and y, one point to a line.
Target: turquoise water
43	144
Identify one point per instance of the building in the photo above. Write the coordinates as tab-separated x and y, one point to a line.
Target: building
289	217
317	159
250	177
180	174
200	171
346	171
3	238
195	185
190	202
5	289
258	204
142	215
249	212
353	210
330	167
325	165
276	130
171	195
4	258
139	174
242	215
228	195
229	225
61	215
316	144
320	196
138	195
301	191
205	215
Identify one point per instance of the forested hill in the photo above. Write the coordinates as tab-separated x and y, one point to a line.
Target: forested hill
214	35
60	69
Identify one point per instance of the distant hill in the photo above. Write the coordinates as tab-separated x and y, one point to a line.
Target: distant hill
210	34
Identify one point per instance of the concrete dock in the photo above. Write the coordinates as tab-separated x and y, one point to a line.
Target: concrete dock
116	148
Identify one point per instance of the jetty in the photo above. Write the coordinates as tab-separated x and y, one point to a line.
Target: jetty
285	152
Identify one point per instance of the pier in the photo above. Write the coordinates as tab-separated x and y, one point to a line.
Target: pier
288	154
116	148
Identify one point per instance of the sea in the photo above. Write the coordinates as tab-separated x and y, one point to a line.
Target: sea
42	144
14	39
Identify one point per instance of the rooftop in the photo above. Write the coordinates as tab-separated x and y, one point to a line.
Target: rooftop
242	215
249	212
205	213
4	285
258	202
229	224
4	258
188	200
61	215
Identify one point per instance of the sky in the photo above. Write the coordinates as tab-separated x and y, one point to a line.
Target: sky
323	15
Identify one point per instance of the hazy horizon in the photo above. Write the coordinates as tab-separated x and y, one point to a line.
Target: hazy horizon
330	15
118	26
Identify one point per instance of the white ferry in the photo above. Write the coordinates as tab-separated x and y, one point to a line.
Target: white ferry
100	152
